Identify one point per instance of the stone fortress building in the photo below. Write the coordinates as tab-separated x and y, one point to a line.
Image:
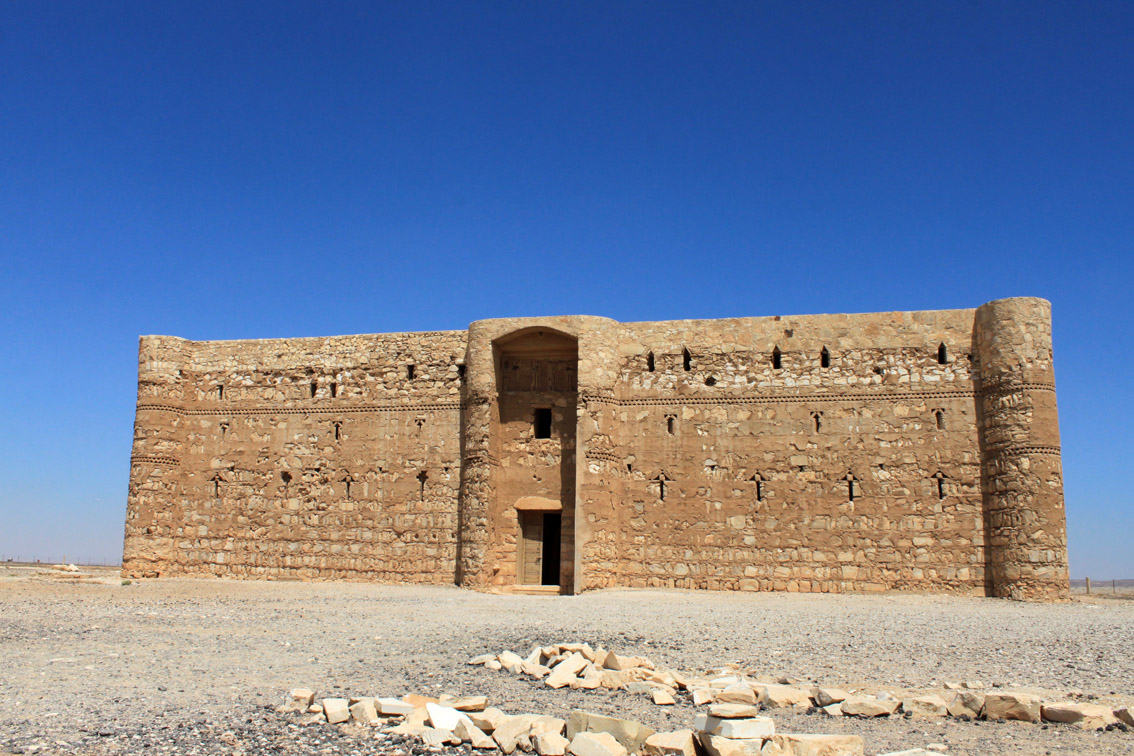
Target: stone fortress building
890	451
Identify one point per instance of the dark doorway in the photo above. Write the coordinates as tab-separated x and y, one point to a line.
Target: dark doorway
552	522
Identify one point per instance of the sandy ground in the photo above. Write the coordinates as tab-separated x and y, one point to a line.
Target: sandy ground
89	665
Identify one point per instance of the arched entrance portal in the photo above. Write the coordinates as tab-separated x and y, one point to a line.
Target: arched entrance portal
537	385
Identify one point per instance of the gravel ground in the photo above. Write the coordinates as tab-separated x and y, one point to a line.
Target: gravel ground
198	666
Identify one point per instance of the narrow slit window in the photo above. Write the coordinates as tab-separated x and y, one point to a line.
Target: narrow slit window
670	424
940	478
851	486
220	392
346	483
825	358
650	362
334	389
777	359
338	431
942	354
661	481
223	429
410	370
817	420
542	422
686	360
314	389
940	416
422	477
461	372
216	487
759	487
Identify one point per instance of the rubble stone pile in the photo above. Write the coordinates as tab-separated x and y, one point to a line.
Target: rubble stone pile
580	666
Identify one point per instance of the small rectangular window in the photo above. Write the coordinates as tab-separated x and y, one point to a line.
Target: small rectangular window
543	422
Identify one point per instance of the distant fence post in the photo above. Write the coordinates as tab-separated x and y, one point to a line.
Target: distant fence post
1114	586
1088	586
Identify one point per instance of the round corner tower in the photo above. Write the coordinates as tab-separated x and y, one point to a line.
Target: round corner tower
1018	426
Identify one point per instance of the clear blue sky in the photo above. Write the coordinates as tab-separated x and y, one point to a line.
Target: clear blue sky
238	170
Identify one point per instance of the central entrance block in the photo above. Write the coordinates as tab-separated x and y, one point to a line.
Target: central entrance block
537	386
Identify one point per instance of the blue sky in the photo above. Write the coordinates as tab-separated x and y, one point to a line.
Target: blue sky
239	170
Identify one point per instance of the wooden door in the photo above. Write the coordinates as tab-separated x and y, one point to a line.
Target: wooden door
531	548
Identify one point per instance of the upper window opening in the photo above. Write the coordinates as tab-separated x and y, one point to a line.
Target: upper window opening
334	389
777	359
686	360
410	370
825	358
461	372
942	354
650	362
338	430
670	424
542	424
314	389
220	391
940	415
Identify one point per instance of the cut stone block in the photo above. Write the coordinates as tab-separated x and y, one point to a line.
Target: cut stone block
716	745
819	745
303	696
364	712
679	743
865	706
336	709
596	744
781	696
739	693
444	717
733	711
826	696
550	744
1088	716
1125	715
565	671
629	733
926	706
392	707
487	720
737	729
966	704
468	703
510	661
1020	706
702	696
664	698
473	735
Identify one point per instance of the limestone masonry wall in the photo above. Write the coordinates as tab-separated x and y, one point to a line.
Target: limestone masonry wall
889	451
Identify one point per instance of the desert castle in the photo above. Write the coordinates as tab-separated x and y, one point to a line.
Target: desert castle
889	451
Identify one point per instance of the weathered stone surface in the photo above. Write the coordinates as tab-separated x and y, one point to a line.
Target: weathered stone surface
926	706
512	730
825	696
833	710
432	736
733	711
663	698
336	709
678	743
868	706
702	696
468	703
819	745
364	712
550	744
1087	715
966	704
629	733
737	729
779	696
1021	706
408	426
1125	715
914	752
716	745
482	659
596	744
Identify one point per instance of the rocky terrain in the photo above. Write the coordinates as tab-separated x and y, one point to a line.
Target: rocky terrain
201	666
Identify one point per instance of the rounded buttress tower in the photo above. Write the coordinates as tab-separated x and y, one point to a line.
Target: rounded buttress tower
1021	474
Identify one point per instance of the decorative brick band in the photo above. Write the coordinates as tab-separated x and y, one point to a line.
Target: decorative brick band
153	459
338	410
889	396
1017	451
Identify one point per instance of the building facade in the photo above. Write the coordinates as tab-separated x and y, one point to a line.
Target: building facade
869	452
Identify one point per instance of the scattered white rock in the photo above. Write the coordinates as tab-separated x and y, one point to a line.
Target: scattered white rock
596	744
1087	715
679	743
737	729
866	706
336	709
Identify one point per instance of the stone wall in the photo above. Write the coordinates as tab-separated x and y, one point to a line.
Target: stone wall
336	457
886	451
